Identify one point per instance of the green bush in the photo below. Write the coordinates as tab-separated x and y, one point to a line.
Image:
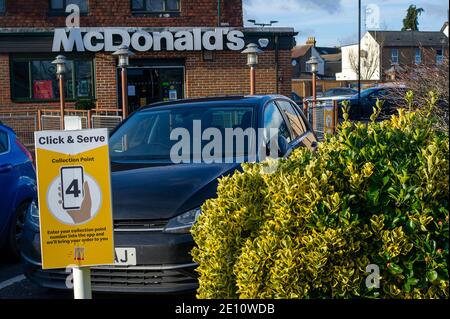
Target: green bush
373	194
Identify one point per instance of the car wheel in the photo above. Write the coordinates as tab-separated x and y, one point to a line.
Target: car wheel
16	232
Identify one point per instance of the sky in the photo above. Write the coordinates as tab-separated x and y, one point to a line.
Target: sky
335	22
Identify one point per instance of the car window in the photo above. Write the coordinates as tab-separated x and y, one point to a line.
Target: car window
329	93
4	142
298	126
147	135
274	123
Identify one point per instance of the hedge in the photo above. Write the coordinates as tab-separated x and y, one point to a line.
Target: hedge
374	194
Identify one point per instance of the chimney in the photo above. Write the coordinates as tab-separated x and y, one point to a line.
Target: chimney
311	41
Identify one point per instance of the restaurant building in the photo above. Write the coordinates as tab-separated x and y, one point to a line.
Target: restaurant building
183	49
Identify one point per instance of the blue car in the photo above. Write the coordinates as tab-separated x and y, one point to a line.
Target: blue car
17	190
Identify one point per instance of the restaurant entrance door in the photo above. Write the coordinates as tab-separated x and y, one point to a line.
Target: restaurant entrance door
147	85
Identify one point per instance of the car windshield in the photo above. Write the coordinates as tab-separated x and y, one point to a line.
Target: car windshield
152	134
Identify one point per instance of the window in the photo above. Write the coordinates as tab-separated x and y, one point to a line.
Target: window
148	134
155	6
297	124
35	79
380	94
439	56
274	125
418	56
59	6
2	6
394	56
4	142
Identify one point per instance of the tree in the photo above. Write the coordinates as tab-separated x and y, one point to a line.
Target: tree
411	21
370	59
422	79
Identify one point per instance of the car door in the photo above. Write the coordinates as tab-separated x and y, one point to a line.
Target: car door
7	177
275	126
371	102
301	132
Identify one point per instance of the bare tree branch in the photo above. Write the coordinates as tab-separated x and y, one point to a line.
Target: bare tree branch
425	77
370	60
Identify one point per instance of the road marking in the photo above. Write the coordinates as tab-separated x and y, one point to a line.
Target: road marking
11	281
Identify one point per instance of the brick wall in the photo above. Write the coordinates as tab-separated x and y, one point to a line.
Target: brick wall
5	90
406	56
109	13
226	75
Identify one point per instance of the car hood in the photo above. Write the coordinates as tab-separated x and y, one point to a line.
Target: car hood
162	191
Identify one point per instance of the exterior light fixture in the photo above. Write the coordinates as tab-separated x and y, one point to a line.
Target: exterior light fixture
252	52
60	63
123	54
314	64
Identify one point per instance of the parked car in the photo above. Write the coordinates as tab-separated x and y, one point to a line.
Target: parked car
335	93
391	96
297	99
17	189
156	201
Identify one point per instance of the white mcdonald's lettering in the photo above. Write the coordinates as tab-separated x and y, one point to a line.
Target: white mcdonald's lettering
142	41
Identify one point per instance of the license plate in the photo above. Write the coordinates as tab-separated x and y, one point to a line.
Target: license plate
125	257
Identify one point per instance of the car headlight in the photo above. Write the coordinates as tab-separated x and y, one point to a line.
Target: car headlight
33	214
182	224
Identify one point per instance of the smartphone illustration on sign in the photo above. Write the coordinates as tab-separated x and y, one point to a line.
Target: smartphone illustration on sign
72	181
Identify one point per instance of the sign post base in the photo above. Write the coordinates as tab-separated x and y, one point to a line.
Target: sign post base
82	283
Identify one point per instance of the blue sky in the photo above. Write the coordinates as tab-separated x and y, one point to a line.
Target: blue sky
335	22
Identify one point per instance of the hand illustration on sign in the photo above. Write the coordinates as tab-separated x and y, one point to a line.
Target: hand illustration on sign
79	196
82	214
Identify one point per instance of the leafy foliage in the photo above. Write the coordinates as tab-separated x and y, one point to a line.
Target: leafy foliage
373	194
411	21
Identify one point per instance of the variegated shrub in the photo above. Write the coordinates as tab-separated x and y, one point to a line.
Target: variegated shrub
374	194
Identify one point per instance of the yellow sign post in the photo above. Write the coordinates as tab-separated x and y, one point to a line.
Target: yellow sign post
74	193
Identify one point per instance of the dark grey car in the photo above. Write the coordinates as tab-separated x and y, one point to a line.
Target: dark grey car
155	201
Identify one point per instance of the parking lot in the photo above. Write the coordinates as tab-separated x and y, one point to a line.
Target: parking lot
14	285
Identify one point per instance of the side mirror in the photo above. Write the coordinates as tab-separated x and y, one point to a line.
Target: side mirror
283	146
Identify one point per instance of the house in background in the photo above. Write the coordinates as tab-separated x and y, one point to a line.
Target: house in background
384	52
329	59
301	54
444	29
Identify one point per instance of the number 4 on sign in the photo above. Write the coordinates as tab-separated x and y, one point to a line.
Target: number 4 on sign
74	189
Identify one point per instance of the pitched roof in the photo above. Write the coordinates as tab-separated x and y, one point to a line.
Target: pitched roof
300	50
444	26
328	50
332	57
408	38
